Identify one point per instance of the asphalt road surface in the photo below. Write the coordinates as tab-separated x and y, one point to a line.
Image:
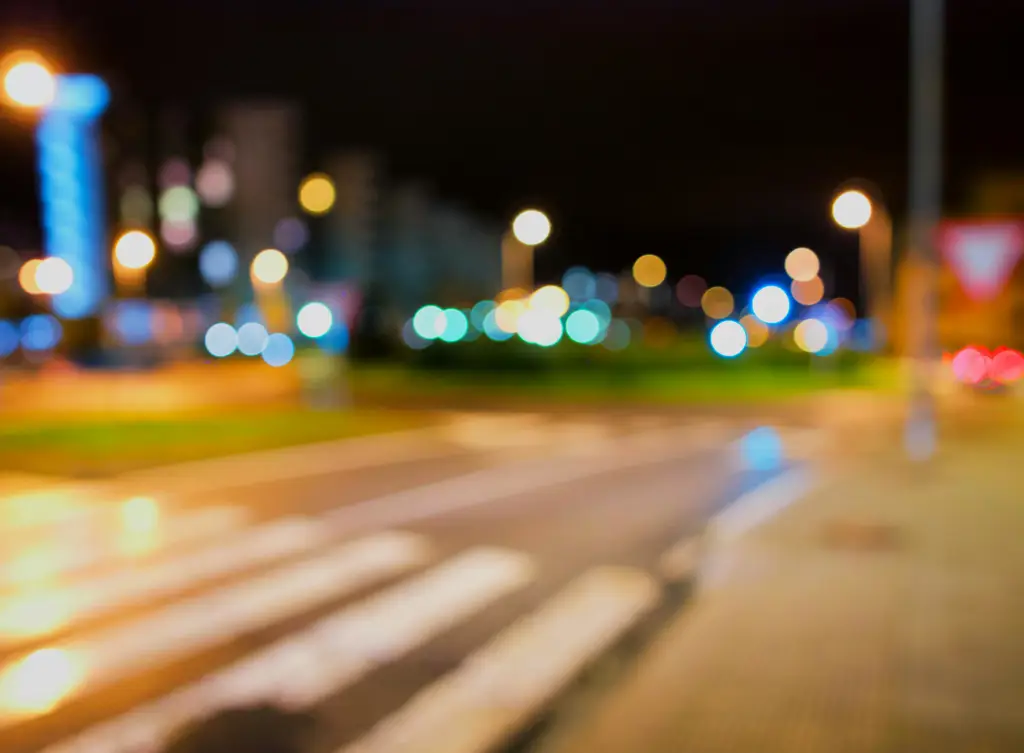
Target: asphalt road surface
418	593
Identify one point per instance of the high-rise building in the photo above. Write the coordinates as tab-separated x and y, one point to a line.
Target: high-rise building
265	139
351	222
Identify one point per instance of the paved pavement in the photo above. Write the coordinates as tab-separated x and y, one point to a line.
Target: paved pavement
420	593
883	612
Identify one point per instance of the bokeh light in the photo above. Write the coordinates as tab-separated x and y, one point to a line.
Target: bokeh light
508	314
811	335
551	299
28	80
762	449
136	206
802	264
54	276
851	210
690	289
279	350
728	338
540	327
579	283
179	235
770	304
291	234
40	332
38	683
809	292
269	267
493	330
412	339
215	183
456	325
479	313
252	339
27	277
1007	366
600	309
314	320
317	194
971	365
617	336
757	331
221	340
717	303
649	271
583	327
531	227
134	322
218	263
178	204
174	172
9	338
134	250
429	322
845	307
606	288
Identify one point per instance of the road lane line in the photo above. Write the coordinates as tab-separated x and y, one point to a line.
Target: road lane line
77	550
39	611
327	657
760	504
499	689
213	619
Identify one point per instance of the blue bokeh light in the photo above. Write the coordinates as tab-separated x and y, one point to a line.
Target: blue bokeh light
455	326
279	350
762	449
583	327
40	332
218	263
9	338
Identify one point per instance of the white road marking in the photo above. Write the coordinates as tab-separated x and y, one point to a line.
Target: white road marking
215	618
326	657
759	505
36	612
77	549
501	687
492	484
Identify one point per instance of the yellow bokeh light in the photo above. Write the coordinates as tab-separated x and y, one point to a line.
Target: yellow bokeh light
757	331
802	264
34	614
851	210
54	276
550	299
27	277
512	294
135	249
811	336
717	303
317	194
808	292
269	267
38	683
508	314
649	271
28	80
531	227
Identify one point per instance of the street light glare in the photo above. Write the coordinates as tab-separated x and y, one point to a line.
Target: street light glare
28	81
135	250
531	227
317	194
269	267
54	276
851	210
771	304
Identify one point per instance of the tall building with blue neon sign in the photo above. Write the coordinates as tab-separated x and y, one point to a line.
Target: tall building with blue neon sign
71	184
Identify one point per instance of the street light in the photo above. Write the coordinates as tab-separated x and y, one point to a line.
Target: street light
864	211
530	228
269	267
28	81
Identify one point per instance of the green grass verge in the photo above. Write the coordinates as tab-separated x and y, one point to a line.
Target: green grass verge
102	446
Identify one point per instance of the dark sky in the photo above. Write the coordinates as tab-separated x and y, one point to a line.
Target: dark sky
712	132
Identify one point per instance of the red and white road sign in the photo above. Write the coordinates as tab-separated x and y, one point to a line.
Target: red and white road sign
982	253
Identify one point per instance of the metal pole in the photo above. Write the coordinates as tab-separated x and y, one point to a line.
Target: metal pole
925	204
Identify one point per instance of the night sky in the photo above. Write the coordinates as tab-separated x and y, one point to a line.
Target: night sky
711	132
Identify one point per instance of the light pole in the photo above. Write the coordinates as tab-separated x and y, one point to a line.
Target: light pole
865	212
529	229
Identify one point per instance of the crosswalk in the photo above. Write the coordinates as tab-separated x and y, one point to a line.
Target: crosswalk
120	624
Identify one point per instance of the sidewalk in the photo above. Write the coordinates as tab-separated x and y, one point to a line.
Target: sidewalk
884	613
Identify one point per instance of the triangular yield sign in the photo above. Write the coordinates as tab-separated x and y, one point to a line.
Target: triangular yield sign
982	254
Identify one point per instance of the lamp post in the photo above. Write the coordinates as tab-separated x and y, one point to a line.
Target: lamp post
529	229
864	211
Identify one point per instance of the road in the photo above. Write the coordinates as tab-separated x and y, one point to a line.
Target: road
449	581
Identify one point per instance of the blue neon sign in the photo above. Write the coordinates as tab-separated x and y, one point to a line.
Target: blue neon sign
71	186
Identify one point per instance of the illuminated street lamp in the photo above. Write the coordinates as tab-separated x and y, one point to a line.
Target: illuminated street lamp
530	228
134	250
863	211
28	81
